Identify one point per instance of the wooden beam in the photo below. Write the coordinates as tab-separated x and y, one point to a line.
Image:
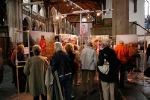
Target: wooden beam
135	6
79	22
32	3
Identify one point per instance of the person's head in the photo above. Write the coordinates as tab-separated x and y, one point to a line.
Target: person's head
36	50
75	47
69	47
42	36
120	42
106	43
57	46
20	48
90	44
111	42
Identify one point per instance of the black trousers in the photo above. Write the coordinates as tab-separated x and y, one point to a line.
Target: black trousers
147	56
42	96
122	74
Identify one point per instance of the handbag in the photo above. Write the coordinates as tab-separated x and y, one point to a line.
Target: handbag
104	68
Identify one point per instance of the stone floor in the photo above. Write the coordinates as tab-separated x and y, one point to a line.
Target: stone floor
136	88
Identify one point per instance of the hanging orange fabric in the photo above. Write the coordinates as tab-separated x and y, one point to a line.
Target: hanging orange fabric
122	53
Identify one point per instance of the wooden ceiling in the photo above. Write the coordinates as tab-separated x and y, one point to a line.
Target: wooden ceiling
64	6
68	6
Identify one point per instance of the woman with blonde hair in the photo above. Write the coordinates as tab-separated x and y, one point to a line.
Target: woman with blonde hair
35	70
17	59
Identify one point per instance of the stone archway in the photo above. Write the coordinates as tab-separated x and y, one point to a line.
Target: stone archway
26	24
41	27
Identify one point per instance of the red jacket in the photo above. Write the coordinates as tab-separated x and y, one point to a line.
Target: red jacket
122	53
42	45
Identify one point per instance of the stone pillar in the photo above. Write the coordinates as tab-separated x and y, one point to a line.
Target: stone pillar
65	22
48	22
55	28
120	17
14	17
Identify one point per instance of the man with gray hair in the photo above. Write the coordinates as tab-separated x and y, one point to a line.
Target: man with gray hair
61	63
89	63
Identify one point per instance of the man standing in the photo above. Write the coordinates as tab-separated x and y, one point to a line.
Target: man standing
123	55
61	63
89	63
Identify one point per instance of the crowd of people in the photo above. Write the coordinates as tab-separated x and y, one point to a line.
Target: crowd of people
70	67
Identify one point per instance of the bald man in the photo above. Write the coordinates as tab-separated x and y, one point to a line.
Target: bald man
123	55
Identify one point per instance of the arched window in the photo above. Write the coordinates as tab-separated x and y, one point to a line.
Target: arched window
34	8
41	12
26	1
84	20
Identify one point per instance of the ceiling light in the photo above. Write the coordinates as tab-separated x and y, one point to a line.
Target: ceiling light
57	17
98	14
62	16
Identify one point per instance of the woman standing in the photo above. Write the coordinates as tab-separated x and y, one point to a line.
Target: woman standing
69	49
108	81
35	70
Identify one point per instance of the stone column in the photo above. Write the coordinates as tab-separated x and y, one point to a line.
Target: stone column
55	28
120	17
14	17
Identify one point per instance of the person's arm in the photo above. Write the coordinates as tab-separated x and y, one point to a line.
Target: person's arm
46	64
27	67
101	58
95	58
54	63
13	55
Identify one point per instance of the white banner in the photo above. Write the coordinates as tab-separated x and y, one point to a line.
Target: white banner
131	38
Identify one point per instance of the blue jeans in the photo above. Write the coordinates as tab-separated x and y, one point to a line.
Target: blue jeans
65	83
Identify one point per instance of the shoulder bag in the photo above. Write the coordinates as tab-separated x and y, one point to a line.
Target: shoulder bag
104	68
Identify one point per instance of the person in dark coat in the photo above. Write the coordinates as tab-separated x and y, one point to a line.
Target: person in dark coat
61	63
147	52
69	49
108	81
19	53
1	66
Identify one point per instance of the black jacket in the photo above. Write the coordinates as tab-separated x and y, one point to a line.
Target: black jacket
61	62
112	76
148	51
72	57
